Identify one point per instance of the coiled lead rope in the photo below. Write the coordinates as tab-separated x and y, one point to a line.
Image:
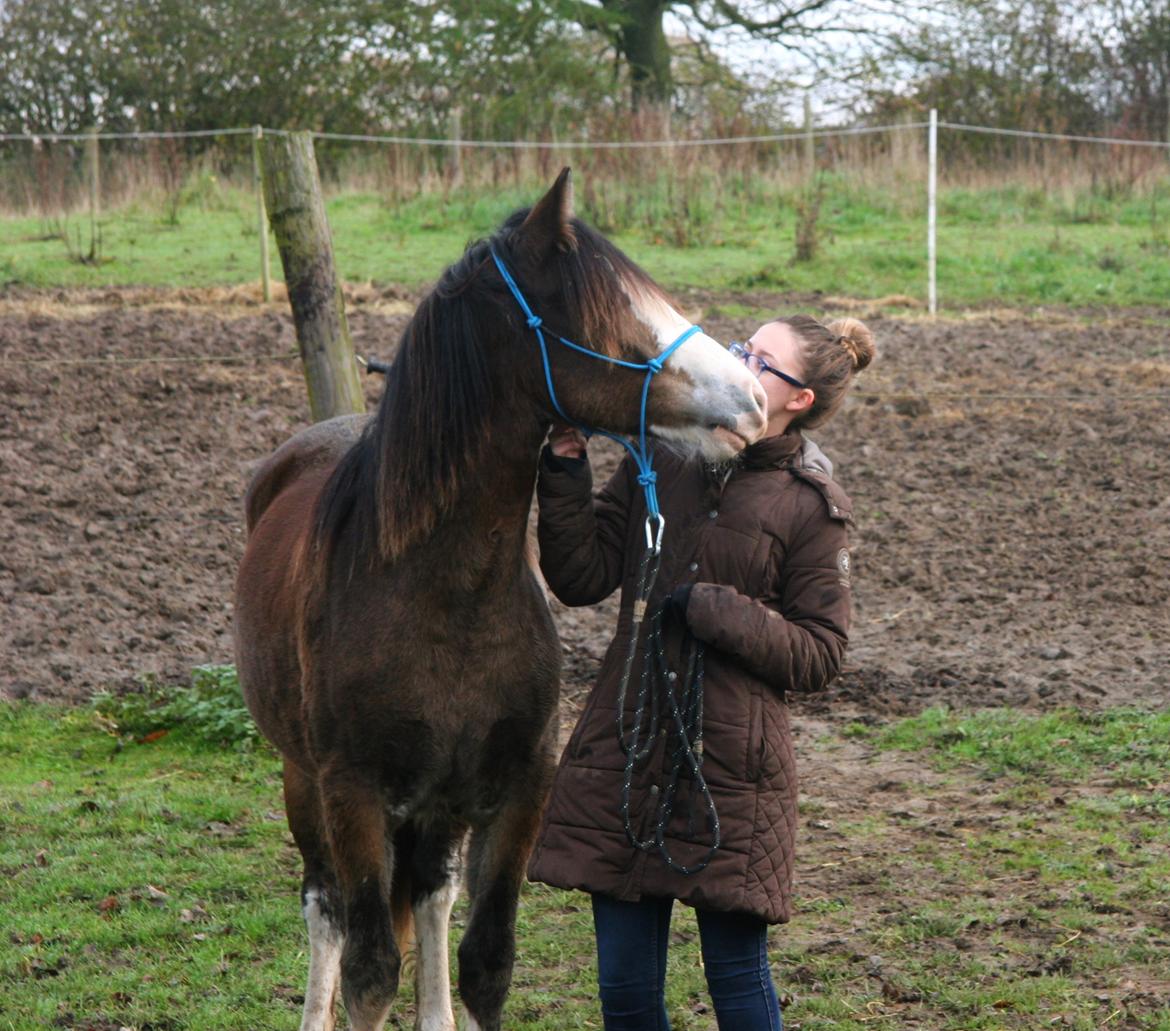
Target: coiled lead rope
663	697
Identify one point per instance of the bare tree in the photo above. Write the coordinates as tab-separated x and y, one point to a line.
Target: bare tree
1082	66
636	29
1134	37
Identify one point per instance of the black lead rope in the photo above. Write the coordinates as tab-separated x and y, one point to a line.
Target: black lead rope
372	365
664	698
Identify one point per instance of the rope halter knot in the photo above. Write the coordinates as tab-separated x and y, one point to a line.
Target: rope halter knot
640	451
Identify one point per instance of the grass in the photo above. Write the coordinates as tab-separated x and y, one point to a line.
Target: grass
1131	748
154	885
90	832
1008	245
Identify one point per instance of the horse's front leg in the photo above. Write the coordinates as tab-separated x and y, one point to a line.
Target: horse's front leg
355	814
495	870
435	862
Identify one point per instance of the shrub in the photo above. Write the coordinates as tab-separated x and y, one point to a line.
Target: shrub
211	709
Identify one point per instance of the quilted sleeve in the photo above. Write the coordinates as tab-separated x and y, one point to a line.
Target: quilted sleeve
793	640
582	537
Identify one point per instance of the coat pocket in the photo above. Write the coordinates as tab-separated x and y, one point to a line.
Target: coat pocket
755	738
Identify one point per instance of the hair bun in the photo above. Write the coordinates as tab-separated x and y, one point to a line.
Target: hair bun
857	339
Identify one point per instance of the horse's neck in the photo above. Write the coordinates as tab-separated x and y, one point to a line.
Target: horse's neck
483	537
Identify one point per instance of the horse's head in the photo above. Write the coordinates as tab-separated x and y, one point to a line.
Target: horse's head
586	290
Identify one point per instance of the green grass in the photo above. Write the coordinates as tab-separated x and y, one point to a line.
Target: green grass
1027	889
87	828
998	246
1024	888
93	826
1129	747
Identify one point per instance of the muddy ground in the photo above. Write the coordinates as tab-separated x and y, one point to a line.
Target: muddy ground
1011	549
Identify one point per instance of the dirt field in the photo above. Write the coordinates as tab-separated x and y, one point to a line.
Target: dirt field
1009	550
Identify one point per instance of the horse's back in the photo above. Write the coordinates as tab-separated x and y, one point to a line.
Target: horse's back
314	448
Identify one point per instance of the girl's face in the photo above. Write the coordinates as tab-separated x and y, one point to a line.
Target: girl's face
780	348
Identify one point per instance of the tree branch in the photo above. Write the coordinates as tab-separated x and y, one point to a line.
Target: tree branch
727	15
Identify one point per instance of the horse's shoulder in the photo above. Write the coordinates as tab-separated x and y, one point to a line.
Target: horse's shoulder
316	447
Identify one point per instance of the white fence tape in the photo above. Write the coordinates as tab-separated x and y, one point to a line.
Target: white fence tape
718	141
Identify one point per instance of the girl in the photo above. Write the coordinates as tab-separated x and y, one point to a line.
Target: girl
755	568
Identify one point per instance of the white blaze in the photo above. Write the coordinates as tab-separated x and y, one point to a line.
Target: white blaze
724	392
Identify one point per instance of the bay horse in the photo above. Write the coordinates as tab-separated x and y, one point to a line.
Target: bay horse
392	640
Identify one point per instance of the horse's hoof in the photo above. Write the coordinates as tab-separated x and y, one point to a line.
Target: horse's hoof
366	1014
367	989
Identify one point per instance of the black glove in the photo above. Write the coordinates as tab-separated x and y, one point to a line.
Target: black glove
562	463
677	601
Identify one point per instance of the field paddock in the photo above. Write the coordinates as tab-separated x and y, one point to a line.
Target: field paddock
1010	550
1012	553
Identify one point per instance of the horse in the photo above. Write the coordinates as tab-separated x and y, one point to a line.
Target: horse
392	640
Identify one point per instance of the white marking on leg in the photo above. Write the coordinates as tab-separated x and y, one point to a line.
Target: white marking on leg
432	918
472	1023
325	943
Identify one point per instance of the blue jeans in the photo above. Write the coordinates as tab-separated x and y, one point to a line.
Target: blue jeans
631	966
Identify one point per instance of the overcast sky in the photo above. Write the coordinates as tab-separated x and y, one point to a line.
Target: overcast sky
805	65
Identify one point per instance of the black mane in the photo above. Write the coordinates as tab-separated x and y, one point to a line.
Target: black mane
404	473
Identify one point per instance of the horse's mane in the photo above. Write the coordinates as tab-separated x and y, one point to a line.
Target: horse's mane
404	473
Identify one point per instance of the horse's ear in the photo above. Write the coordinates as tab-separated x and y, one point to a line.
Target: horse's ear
550	223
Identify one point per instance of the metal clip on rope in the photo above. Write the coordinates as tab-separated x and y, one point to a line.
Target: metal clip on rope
655	527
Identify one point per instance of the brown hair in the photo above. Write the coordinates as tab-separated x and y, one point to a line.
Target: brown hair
830	354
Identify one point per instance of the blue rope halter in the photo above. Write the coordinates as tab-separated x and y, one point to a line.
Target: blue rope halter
641	453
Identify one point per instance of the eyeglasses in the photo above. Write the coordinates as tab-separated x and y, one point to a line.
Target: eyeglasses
757	366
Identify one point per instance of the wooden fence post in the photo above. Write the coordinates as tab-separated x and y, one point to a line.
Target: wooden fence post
261	218
296	212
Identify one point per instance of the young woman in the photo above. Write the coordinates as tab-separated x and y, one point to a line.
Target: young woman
755	567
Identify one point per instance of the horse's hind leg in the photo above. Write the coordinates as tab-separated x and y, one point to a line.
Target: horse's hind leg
356	825
319	899
496	861
434	854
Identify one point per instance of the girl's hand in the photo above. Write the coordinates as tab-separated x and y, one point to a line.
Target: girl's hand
566	442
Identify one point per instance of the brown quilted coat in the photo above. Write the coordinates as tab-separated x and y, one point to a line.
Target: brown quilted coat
766	550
